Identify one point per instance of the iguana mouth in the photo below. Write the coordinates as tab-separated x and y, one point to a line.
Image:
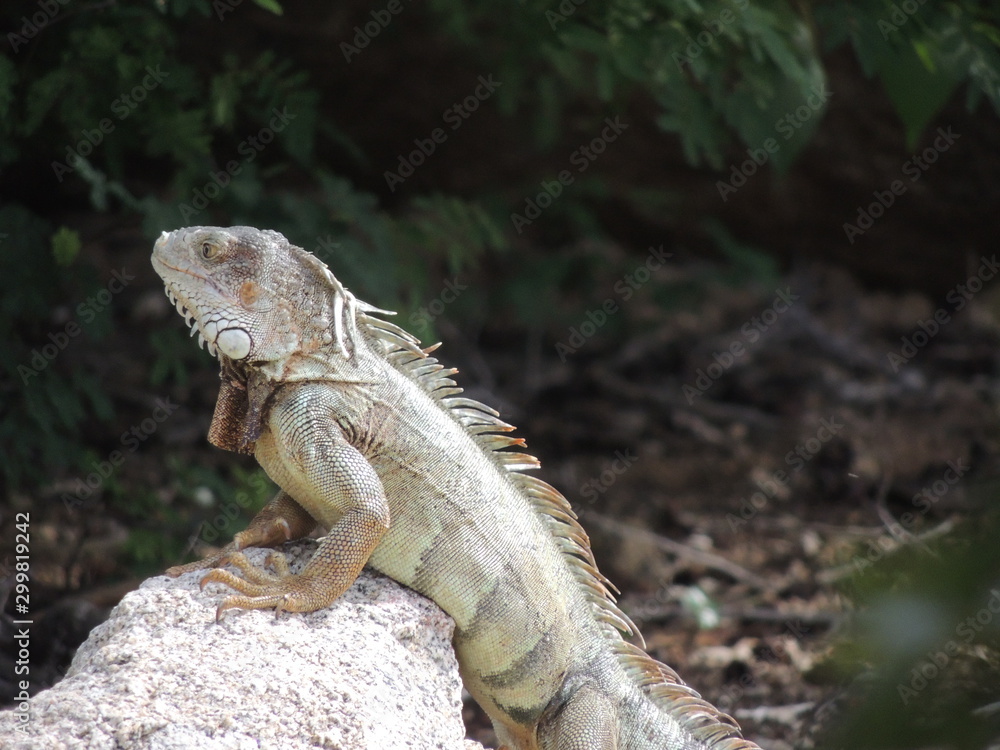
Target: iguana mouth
189	318
181	270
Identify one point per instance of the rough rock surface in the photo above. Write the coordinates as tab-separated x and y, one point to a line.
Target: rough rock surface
374	670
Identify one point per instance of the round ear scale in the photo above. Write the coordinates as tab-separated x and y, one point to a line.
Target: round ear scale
235	343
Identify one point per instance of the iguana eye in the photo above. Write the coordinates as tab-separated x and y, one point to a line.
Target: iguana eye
209	250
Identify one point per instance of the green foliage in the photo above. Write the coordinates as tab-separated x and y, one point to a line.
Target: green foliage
528	297
927	638
37	275
450	228
270	5
106	97
145	549
174	356
724	68
714	68
210	508
923	53
747	264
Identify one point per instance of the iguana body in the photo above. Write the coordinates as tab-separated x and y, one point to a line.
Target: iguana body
368	437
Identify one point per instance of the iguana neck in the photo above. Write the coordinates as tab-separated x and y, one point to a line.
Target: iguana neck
245	389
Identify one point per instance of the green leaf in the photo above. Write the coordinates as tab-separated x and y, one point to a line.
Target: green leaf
66	245
916	92
270	5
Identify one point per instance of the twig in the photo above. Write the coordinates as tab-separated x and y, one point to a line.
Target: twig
668	611
691	554
671	398
786	715
893	527
845	571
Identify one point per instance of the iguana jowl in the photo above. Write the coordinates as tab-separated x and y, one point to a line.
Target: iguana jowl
367	436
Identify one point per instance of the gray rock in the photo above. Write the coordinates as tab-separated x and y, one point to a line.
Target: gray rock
374	670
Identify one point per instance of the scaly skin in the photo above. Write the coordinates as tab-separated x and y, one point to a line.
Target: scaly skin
367	437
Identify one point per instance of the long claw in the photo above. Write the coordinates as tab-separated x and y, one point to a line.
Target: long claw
219	576
251	602
250	588
209	562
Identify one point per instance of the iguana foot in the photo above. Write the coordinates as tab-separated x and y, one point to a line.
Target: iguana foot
212	561
275	531
262	590
280	521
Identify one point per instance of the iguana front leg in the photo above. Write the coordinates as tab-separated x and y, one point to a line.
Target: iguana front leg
280	521
305	451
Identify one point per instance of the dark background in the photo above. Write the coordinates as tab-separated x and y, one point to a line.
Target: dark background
780	433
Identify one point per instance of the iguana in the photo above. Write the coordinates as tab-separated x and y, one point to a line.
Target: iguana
368	437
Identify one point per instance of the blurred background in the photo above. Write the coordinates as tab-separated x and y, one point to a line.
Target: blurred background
731	267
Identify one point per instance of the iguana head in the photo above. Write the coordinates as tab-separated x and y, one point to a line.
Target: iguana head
248	293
